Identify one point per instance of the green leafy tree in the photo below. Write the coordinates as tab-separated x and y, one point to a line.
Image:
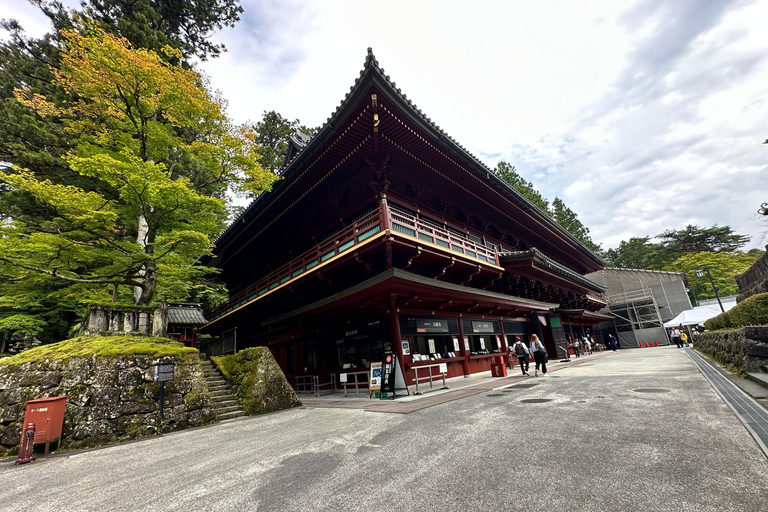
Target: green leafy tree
509	174
144	126
723	266
640	252
153	24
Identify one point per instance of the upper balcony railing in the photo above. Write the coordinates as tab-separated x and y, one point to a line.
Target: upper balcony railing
361	229
410	225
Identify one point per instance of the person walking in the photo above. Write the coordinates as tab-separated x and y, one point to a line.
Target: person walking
587	344
675	335
683	339
522	353
577	347
539	355
612	342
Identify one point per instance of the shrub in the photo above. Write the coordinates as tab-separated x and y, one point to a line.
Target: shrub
751	311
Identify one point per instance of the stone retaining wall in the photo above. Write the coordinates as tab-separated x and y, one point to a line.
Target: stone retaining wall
755	279
743	350
109	399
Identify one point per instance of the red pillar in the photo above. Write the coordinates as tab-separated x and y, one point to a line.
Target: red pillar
464	351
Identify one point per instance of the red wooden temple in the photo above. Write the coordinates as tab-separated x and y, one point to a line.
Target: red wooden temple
384	234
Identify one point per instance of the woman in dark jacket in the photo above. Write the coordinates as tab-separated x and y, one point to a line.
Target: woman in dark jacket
539	355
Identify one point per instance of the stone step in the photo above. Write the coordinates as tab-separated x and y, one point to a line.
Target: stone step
759	378
217	387
230	415
216	382
221	404
219	392
223	410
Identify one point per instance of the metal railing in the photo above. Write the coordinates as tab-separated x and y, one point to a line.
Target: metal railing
360	230
410	225
429	378
357	383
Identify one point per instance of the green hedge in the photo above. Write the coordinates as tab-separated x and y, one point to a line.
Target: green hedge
751	311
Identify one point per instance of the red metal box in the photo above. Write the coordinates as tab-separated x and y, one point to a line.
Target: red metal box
48	416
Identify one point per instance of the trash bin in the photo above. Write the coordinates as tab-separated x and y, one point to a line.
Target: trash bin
48	416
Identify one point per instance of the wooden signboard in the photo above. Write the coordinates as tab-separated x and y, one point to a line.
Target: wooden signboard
374	383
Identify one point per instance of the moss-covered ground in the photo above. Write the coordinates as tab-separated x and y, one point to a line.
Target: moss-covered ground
101	346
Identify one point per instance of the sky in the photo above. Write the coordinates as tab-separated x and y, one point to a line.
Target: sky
641	116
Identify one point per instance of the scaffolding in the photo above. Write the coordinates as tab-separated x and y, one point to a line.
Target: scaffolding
640	302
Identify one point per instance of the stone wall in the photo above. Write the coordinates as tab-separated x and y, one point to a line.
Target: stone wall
755	279
743	350
109	399
257	381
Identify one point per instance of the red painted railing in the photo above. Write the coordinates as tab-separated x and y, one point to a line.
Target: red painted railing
410	225
366	226
357	232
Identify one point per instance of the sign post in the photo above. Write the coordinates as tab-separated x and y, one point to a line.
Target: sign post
164	372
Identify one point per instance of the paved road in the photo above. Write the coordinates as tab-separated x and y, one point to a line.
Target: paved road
598	445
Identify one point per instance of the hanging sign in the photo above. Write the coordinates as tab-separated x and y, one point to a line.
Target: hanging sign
456	344
466	343
478	327
482	343
431	343
375	380
427	325
406	347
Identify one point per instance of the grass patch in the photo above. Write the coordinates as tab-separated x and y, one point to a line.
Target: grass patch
101	346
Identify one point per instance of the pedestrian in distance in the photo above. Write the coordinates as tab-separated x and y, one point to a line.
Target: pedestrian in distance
675	335
539	355
683	339
576	347
523	355
587	344
612	342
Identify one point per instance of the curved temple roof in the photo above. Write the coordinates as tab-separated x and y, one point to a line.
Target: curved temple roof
373	76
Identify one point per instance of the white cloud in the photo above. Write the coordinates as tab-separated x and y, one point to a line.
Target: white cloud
642	117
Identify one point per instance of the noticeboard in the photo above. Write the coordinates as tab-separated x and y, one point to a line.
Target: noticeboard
375	377
164	372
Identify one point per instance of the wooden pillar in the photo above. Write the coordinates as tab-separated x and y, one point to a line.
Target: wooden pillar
464	351
395	337
505	341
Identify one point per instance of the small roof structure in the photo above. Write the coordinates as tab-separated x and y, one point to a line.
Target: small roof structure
695	316
186	314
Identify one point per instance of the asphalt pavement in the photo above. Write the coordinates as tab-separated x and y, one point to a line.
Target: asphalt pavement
638	430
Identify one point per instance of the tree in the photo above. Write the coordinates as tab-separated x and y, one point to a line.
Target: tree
159	150
696	239
638	252
509	174
182	24
272	136
723	267
568	219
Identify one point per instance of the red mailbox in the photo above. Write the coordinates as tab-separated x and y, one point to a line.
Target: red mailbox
48	416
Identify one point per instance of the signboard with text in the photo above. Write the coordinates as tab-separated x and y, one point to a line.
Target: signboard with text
164	372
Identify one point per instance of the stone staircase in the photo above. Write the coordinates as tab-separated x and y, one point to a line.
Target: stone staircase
225	404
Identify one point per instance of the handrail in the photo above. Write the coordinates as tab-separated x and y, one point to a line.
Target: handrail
408	224
364	227
319	386
356	382
429	377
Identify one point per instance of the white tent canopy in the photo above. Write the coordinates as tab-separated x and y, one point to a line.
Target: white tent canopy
693	316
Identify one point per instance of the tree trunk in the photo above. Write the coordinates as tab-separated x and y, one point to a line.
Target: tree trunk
4	343
150	282
141	239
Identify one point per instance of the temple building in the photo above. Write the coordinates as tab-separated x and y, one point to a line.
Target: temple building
385	235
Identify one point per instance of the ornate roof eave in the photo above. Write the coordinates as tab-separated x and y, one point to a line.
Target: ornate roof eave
372	75
541	259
